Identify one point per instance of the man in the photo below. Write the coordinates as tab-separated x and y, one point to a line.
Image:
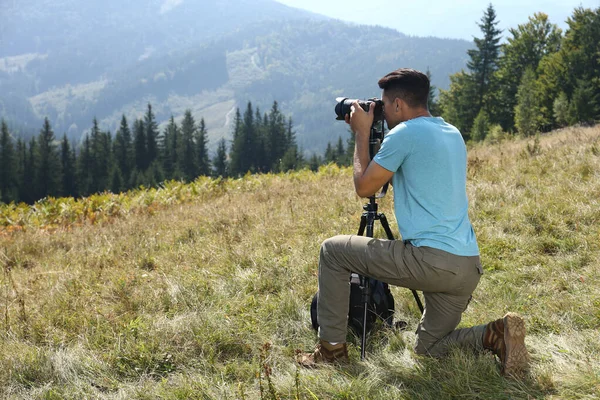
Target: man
426	160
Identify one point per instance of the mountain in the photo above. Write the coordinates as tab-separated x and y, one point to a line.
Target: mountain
92	38
72	61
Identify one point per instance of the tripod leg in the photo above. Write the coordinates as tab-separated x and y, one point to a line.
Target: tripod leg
390	235
366	293
363	225
366	221
418	300
386	226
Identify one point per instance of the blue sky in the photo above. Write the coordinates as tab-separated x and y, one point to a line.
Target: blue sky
441	18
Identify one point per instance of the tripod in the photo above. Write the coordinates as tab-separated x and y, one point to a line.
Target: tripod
367	221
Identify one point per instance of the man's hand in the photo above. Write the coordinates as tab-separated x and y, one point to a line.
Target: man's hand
360	121
369	176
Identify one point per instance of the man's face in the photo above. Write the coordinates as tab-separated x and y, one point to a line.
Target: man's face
392	110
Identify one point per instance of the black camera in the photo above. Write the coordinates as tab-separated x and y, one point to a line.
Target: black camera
344	104
343	108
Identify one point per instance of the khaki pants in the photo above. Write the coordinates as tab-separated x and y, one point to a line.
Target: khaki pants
446	280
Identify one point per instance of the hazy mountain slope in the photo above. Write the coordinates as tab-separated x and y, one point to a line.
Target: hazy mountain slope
108	60
88	39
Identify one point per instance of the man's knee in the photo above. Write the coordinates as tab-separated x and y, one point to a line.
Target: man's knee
330	247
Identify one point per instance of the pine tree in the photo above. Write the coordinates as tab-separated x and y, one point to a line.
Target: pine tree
187	151
289	161
84	168
49	174
561	110
330	155
300	161
170	145
278	140
585	105
203	160
8	177
290	134
243	148
31	193
458	102
260	142
293	158
484	58
155	174
249	136
261	159
100	154
431	101
95	156
481	125
527	110
67	161
340	152
350	148
139	145
237	146
134	179
314	162
220	160
109	164
266	163
151	137
551	76
116	180
123	151
21	157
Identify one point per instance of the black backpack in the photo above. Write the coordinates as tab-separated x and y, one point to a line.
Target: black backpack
380	305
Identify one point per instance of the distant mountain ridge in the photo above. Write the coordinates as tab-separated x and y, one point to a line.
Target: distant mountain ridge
109	34
210	57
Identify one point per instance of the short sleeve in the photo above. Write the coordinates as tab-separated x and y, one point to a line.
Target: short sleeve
394	149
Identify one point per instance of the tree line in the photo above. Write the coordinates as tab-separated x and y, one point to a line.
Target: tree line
139	154
538	80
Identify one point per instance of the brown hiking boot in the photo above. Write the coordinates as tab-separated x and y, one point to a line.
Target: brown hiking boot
324	353
505	337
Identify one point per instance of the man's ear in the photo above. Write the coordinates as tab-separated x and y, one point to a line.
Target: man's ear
398	104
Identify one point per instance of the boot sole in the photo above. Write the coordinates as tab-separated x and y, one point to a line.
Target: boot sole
516	360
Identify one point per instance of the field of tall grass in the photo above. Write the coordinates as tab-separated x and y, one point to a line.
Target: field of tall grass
202	291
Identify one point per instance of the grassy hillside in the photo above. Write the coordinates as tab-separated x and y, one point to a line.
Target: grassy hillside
202	291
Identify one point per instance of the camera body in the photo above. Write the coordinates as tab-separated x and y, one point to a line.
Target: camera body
343	108
344	104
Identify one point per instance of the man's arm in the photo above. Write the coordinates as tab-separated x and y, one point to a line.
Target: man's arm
369	176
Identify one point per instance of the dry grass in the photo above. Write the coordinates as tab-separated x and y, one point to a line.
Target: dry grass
179	302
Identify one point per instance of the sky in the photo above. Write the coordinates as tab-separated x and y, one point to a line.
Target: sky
456	19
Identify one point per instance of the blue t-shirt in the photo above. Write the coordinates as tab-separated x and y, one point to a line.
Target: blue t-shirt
429	160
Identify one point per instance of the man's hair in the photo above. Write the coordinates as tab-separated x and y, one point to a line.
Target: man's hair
407	84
